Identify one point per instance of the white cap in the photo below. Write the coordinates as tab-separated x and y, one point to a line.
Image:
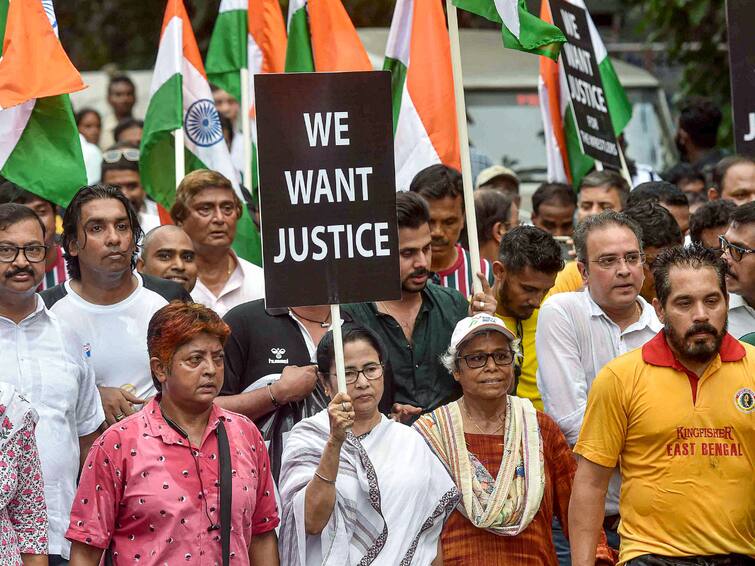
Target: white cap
487	175
473	324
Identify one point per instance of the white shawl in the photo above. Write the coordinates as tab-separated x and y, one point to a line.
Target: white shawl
392	498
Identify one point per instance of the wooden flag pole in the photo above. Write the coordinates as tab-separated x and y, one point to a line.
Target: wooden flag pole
335	321
246	128
461	124
178	134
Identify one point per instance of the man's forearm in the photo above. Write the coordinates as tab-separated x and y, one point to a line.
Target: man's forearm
586	512
252	404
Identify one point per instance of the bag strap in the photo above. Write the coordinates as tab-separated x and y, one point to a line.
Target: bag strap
224	461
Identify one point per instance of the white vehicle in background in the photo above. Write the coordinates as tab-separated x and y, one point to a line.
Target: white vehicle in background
502	103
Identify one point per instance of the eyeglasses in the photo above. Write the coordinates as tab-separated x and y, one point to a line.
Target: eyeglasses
33	253
612	261
480	359
370	371
736	252
115	155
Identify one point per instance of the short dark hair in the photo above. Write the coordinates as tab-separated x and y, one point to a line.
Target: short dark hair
713	214
72	218
491	206
352	332
690	257
122	164
657	191
84	111
529	246
609	178
126	124
723	166
411	210
11	192
598	222
659	227
562	193
683	172
744	214
437	181
700	118
120	78
12	213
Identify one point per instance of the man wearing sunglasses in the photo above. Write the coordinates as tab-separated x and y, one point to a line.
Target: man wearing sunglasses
738	245
579	332
120	169
44	361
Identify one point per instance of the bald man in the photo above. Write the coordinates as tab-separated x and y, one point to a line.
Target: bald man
168	253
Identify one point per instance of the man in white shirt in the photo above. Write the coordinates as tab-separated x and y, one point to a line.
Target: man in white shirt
208	210
107	303
44	360
579	332
739	253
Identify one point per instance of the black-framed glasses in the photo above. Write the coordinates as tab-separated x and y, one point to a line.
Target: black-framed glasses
370	372
115	155
480	359
613	261
34	253
736	252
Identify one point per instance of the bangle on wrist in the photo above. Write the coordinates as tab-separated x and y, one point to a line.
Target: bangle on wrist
326	480
272	397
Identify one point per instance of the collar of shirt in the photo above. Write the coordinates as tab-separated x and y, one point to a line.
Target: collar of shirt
427	305
156	426
657	352
738	302
456	264
648	318
39	311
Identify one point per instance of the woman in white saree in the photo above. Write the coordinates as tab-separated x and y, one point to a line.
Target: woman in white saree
358	488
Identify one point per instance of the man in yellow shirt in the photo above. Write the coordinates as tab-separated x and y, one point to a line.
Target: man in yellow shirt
599	191
678	415
529	259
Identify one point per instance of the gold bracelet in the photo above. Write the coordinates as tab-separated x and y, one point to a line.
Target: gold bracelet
272	397
326	480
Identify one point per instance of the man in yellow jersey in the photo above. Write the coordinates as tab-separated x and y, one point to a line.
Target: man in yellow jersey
528	261
678	414
599	191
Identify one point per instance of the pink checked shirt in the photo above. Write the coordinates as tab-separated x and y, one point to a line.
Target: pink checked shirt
139	492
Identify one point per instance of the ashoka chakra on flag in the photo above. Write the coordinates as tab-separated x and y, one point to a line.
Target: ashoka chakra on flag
202	123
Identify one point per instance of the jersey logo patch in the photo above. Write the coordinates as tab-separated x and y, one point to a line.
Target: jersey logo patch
745	400
278	359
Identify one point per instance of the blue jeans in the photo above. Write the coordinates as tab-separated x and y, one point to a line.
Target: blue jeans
563	553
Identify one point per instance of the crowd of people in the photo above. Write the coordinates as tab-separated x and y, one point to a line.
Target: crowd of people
592	404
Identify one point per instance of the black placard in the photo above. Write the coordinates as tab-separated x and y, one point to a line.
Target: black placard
740	15
585	85
326	173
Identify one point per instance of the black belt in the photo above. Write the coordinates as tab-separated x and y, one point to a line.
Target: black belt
714	560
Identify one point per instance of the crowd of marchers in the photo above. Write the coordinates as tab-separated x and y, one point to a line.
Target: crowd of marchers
592	404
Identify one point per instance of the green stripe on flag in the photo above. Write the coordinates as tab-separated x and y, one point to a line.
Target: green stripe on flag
47	159
227	53
299	48
398	78
3	18
616	97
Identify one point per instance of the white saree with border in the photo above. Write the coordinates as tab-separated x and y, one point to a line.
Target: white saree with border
392	498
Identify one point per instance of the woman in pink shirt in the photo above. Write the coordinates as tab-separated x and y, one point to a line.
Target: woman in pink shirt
182	480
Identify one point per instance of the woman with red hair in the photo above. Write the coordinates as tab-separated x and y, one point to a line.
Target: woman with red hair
182	480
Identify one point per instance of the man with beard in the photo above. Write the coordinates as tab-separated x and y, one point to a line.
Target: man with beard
697	135
528	261
417	328
579	332
738	245
677	413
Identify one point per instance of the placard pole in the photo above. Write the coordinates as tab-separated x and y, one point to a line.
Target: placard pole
178	141
624	168
335	322
461	124
246	127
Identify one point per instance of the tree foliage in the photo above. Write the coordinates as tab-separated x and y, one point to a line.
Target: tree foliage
694	32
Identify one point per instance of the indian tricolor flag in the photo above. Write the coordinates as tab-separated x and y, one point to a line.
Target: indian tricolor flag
39	142
566	162
418	55
520	29
322	38
180	98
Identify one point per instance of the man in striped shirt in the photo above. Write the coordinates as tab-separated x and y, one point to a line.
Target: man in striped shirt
55	265
441	187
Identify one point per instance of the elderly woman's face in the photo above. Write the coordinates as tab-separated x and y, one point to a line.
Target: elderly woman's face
196	372
365	393
491	381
